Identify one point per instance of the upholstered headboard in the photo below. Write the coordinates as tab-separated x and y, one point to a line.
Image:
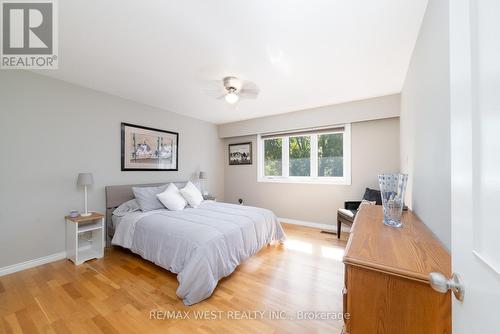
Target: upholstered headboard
117	195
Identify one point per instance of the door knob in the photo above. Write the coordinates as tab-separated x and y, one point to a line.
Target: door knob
440	283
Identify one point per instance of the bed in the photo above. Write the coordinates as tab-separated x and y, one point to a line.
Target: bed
201	245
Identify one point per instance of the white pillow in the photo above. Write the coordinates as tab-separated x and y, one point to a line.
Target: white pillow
192	194
172	198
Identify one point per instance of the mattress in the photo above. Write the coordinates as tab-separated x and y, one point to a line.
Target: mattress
201	245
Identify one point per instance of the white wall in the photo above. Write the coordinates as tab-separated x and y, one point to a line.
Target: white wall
51	130
425	123
356	111
374	150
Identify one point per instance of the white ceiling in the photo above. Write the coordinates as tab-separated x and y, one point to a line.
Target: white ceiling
301	54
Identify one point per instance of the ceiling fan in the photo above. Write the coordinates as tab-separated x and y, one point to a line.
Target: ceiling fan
232	89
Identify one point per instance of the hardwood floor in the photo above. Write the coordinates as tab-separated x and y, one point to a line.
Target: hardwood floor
117	294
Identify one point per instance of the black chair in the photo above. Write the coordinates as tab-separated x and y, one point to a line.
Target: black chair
346	216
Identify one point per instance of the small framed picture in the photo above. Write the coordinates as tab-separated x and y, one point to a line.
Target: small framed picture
148	149
240	154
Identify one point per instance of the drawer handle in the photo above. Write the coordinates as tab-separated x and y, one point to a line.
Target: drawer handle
441	284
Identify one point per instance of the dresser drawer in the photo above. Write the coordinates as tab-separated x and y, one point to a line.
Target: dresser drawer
387	277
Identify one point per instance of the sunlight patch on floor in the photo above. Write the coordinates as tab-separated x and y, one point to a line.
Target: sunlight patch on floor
301	246
334	253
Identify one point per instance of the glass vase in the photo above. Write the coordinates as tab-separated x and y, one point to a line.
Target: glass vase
392	189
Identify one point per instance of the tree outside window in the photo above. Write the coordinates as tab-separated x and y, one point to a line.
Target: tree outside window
300	156
273	157
330	155
321	156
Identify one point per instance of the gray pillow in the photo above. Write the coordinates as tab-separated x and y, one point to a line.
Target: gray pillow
146	197
124	208
373	195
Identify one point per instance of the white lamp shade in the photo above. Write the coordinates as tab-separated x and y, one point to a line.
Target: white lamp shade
85	179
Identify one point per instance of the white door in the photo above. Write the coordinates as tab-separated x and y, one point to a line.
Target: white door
475	162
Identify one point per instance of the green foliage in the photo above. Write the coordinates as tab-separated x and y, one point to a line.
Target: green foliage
330	154
272	156
300	156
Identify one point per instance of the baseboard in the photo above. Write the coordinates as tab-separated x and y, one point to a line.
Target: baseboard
32	263
325	227
62	255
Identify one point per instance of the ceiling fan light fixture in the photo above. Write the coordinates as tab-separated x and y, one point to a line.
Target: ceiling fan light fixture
231	98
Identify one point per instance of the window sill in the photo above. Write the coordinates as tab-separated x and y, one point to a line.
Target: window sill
305	180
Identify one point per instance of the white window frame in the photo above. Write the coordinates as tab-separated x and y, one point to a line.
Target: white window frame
314	178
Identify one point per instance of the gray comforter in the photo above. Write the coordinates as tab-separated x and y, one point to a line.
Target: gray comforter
201	245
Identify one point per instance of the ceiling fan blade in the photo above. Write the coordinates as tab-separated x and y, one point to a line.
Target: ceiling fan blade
217	93
250	85
249	90
212	88
249	94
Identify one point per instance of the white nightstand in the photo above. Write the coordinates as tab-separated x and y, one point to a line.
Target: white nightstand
80	249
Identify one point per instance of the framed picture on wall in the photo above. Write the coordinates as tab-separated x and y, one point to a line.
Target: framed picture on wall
240	154
148	149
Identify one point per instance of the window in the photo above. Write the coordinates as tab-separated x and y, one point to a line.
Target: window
331	154
299	150
273	157
312	156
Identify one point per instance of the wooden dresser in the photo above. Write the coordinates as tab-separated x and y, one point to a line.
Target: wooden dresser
386	277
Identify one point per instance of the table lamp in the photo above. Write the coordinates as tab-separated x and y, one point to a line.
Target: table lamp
85	179
203	177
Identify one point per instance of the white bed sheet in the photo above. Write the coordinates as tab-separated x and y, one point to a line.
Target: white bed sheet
201	245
